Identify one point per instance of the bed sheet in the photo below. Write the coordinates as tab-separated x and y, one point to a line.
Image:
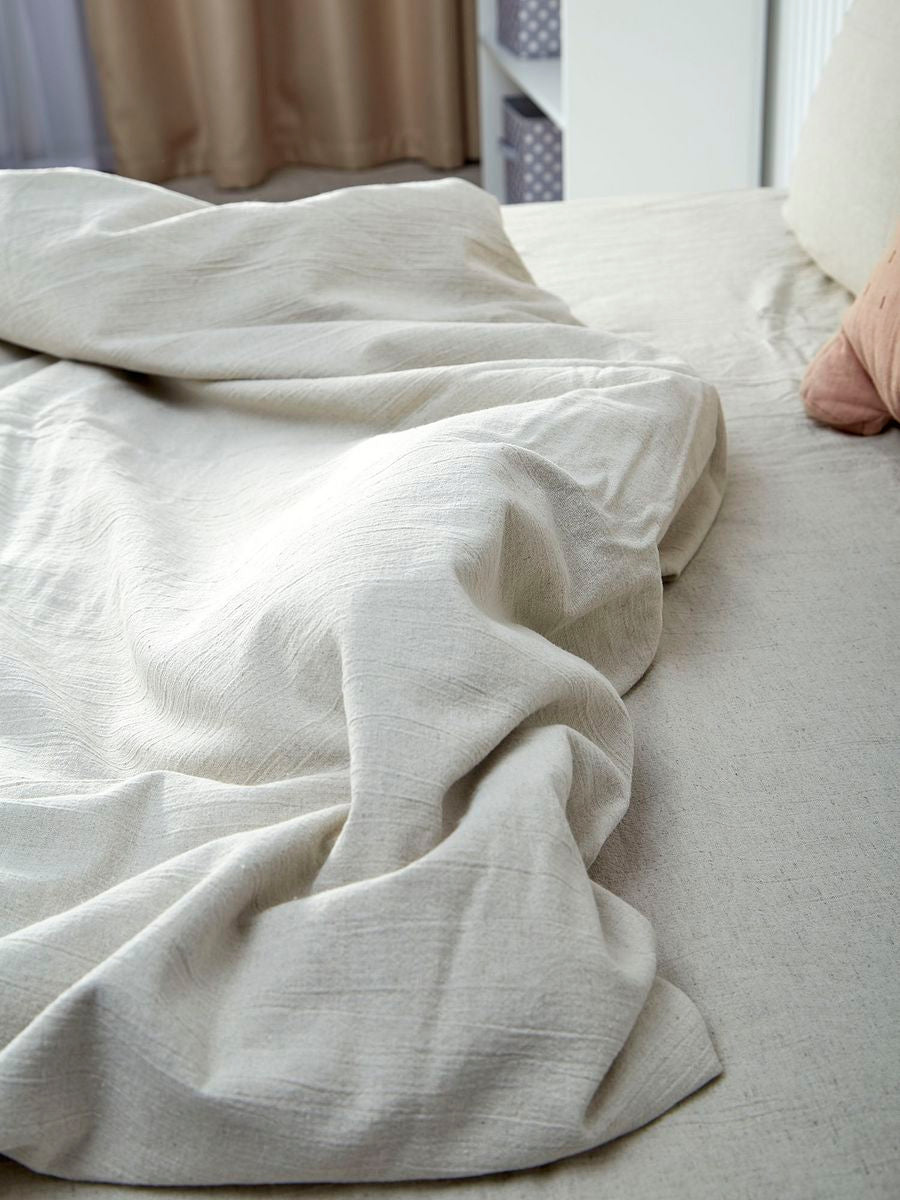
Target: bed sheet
762	835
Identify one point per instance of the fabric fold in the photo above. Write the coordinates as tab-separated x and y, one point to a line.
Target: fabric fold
330	546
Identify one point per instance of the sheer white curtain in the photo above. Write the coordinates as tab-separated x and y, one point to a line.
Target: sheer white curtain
800	36
49	112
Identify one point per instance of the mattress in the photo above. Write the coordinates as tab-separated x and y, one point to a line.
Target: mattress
762	835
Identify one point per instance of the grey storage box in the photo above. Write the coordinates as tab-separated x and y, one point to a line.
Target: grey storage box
530	28
532	147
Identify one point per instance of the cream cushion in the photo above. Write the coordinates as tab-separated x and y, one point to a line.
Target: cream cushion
844	194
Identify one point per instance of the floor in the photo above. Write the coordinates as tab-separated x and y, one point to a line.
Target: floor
293	183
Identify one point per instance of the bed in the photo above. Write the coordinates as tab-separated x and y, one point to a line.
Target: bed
777	669
761	838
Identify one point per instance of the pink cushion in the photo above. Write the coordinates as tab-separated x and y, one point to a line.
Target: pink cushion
853	383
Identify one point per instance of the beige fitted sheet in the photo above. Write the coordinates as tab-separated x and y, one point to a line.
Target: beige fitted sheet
762	835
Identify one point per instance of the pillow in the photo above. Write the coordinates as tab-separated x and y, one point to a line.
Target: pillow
853	383
844	194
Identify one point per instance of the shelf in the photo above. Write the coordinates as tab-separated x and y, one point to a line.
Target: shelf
651	95
539	78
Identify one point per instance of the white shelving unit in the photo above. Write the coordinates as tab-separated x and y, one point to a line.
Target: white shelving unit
651	95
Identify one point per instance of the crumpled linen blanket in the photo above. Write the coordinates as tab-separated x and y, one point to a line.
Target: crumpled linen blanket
329	544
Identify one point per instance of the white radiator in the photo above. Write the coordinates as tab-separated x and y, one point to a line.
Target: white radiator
800	37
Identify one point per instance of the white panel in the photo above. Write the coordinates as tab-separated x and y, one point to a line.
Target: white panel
653	95
662	95
493	85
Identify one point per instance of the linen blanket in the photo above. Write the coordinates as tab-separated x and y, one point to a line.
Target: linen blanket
329	545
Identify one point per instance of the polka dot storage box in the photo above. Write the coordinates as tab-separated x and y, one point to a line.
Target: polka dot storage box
532	147
530	28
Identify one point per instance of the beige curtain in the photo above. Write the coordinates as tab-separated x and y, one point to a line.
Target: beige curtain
238	87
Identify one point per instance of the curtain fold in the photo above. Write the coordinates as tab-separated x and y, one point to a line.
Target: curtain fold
238	87
50	115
